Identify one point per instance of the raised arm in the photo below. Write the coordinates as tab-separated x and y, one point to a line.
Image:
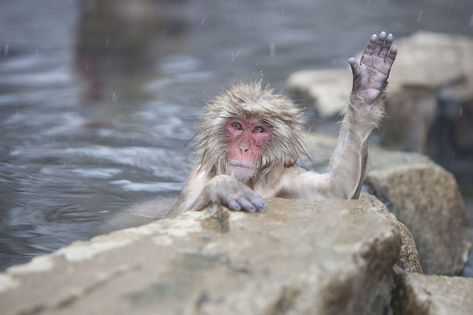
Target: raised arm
365	109
250	140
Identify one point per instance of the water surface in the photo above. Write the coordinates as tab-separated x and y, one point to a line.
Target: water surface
99	99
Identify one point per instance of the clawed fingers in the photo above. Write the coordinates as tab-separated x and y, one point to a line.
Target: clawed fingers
249	203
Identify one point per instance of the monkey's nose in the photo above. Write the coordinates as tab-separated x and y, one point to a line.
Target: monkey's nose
244	147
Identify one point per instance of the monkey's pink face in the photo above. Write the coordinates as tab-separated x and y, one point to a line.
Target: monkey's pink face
247	140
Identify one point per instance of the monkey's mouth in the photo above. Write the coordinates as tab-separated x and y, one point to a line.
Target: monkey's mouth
240	171
240	164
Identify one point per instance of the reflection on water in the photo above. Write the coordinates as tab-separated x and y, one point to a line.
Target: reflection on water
98	99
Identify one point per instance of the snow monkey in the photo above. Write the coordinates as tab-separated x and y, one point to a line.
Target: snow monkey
250	141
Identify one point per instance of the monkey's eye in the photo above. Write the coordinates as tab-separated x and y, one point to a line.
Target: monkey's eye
237	126
258	129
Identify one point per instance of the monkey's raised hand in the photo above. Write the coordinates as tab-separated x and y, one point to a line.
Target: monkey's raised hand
371	74
250	138
225	190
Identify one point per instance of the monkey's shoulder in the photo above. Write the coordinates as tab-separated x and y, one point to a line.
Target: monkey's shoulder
278	182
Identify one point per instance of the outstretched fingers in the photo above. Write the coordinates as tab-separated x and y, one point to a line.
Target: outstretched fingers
386	46
371	73
391	55
379	43
371	45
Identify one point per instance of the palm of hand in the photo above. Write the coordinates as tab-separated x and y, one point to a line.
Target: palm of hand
371	74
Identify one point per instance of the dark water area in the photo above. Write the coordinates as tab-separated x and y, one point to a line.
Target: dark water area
99	99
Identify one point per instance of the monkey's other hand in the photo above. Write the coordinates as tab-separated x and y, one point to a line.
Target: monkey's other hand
371	74
226	190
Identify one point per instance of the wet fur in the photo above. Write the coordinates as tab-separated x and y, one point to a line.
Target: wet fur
249	101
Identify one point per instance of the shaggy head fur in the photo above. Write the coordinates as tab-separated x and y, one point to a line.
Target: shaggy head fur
251	101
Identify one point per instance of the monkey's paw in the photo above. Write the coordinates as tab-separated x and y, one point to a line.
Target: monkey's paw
229	192
244	200
371	74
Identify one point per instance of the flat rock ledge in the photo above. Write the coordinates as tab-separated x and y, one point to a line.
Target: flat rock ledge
300	257
418	294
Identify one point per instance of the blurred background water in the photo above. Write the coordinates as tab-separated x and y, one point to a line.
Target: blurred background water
99	98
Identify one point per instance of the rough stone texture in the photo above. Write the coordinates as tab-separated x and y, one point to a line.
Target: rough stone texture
432	76
300	257
426	198
418	294
408	258
422	195
411	113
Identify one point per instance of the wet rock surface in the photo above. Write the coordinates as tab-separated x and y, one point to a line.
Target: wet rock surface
418	294
300	257
426	198
422	195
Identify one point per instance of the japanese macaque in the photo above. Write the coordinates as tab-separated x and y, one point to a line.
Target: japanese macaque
250	141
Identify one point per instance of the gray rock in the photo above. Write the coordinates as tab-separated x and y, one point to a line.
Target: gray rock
300	257
418	294
430	68
427	200
432	60
411	112
431	79
422	195
327	90
408	259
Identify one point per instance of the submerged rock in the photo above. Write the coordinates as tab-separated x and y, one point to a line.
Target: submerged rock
418	294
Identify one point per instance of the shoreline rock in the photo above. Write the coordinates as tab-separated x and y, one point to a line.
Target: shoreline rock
329	257
318	257
417	294
421	194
